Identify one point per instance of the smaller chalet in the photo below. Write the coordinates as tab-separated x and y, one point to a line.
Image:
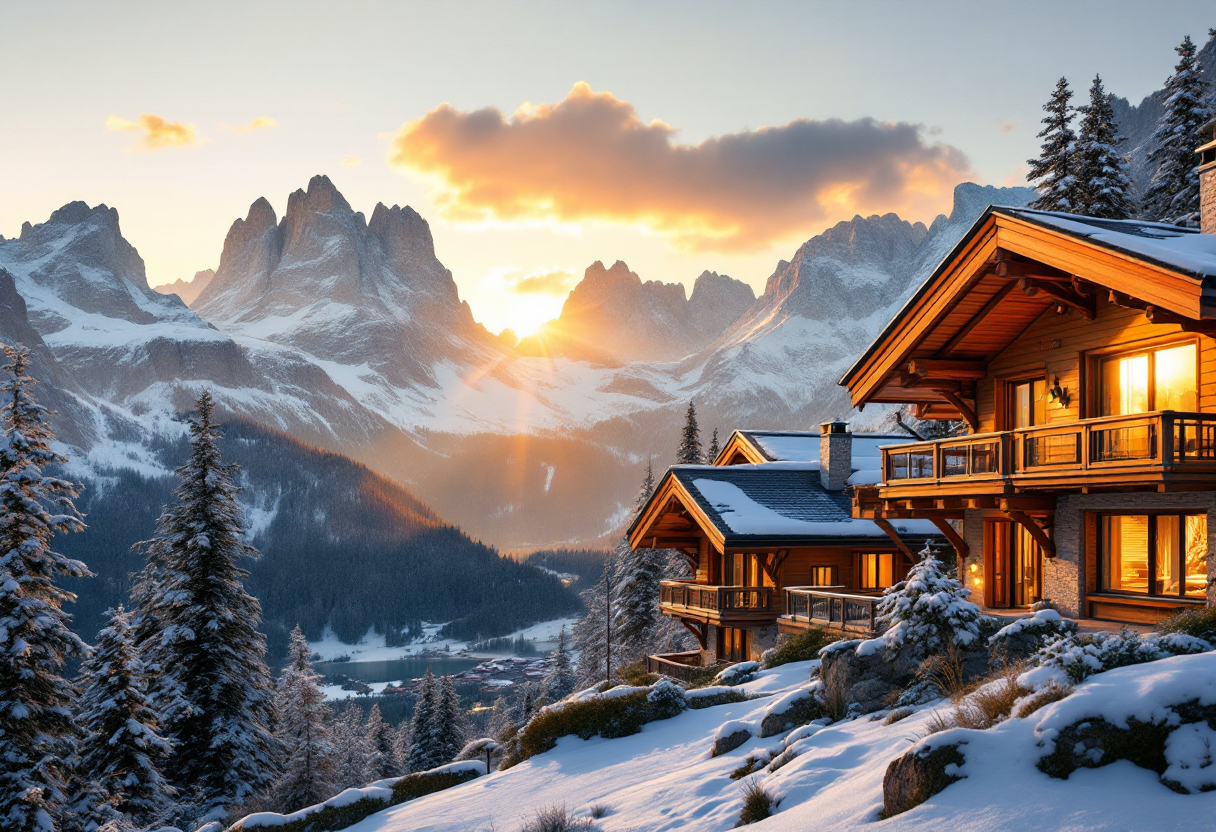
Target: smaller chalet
769	534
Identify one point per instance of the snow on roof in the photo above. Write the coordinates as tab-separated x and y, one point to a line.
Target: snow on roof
1181	249
803	446
780	500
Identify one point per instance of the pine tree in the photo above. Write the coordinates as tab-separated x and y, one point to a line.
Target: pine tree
647	489
214	696
402	742
35	698
451	728
928	612
714	449
1103	185
591	630
423	753
122	751
560	681
309	772
350	748
689	452
1174	190
636	620
526	704
382	761
1054	171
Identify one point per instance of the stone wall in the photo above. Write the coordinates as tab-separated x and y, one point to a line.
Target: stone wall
1207	199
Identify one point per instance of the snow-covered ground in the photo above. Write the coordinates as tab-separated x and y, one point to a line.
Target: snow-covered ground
664	779
372	648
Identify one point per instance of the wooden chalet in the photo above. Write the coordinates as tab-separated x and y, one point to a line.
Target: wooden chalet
1079	353
770	538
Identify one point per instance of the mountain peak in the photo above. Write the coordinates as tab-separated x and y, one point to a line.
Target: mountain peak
321	197
406	236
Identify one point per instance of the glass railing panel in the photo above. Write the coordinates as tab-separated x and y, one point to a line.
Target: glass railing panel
1053	449
954	461
1121	444
986	458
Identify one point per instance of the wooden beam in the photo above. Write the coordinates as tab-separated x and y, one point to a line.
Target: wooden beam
965	410
1034	288
976	320
948	368
1011	268
698	630
886	526
1157	315
1035	530
961	549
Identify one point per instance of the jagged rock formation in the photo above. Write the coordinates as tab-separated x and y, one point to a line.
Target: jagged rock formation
611	315
187	290
332	285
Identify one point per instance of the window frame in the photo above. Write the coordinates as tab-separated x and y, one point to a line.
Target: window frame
861	570
1095	359
1151	543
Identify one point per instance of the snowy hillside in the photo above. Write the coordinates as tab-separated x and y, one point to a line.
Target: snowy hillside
664	778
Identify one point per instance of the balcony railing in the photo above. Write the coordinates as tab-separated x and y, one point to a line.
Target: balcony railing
721	601
832	608
683	666
1165	441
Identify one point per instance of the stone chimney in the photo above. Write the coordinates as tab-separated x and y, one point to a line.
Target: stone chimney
835	455
1207	179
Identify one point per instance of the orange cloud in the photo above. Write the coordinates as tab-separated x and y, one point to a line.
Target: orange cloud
259	123
589	157
158	134
554	282
351	162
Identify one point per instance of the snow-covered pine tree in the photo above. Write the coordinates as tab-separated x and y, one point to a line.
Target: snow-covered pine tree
35	698
591	631
714	449
424	754
1103	187
560	681
350	747
689	452
636	617
1053	173
121	752
402	742
1173	192
647	487
526	704
928	611
302	726
450	722
382	758
214	696
501	726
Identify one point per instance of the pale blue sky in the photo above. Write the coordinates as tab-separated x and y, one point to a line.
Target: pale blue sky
340	78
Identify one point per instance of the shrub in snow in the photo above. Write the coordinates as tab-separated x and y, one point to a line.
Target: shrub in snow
478	749
758	803
1025	635
556	818
1076	658
737	674
713	696
608	715
929	612
1199	622
803	647
422	783
666	699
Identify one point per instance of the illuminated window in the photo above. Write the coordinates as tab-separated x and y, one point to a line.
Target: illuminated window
1028	401
875	571
1162	379
823	576
1154	554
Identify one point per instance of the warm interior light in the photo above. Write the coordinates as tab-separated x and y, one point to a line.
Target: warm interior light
977	581
973	567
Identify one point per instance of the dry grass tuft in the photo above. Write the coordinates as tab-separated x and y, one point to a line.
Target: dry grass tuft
1043	696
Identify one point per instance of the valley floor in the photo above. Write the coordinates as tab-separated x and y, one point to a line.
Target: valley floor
664	779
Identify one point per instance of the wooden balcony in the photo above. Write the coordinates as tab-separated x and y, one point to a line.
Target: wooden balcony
683	666
1148	449
723	605
830	607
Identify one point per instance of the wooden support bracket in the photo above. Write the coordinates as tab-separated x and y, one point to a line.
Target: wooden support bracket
886	526
964	409
1059	294
698	630
956	539
1035	530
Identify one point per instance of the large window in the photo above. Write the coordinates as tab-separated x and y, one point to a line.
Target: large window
1154	554
1159	379
875	571
823	576
1028	403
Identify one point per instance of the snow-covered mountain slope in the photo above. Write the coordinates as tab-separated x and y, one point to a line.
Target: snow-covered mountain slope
190	289
611	316
663	778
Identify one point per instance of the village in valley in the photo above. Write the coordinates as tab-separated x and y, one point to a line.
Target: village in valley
945	560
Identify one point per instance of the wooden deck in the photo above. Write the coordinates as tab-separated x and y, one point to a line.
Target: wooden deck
722	605
834	608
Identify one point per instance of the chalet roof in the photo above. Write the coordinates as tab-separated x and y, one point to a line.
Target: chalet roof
1169	270
782	502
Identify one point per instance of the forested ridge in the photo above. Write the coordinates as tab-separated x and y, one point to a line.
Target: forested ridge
341	546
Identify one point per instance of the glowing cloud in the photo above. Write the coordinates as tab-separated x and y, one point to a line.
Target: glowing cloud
259	123
554	282
158	134
351	162
589	157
